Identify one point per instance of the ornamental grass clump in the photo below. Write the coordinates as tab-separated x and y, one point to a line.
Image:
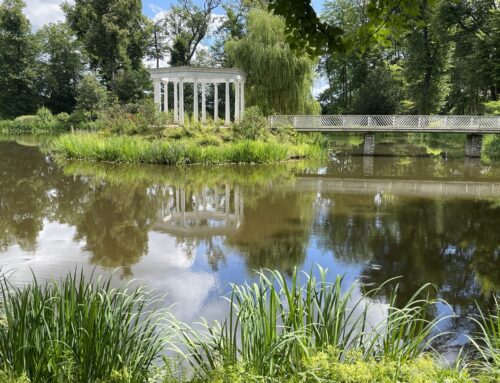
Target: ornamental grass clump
78	330
487	341
276	323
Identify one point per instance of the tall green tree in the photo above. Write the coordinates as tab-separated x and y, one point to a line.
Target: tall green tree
188	24
158	44
278	80
232	26
427	59
360	81
62	66
91	95
114	33
18	61
474	31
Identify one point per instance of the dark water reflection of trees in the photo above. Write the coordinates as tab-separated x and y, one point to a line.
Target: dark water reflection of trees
451	243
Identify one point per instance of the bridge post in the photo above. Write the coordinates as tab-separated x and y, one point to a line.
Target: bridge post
472	167
369	144
473	145
368	165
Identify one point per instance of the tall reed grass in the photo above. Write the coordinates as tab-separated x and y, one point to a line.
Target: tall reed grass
487	341
78	330
298	328
274	324
95	147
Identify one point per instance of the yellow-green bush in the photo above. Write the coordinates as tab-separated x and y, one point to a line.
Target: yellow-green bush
6	378
491	146
424	369
324	366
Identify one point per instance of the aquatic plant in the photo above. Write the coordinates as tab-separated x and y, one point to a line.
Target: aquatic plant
274	324
282	328
487	341
78	330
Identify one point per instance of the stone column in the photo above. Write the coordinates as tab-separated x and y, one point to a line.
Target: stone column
242	113
473	145
216	101
165	96
157	92
369	144
195	100
228	117
176	102
203	104
236	101
181	101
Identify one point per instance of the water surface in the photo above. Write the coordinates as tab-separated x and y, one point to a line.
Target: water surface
190	232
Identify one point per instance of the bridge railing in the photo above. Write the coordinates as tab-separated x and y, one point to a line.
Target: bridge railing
387	122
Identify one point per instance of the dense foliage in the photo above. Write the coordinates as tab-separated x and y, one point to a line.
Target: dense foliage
444	60
278	80
411	56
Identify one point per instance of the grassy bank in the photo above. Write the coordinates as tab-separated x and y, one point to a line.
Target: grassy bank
137	149
151	137
279	329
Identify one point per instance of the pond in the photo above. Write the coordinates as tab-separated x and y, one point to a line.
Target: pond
191	231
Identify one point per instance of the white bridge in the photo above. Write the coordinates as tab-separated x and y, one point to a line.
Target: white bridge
473	126
392	124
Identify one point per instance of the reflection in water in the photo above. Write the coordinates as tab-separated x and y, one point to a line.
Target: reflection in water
190	231
114	224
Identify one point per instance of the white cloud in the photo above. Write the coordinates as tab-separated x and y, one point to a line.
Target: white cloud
320	84
41	12
155	9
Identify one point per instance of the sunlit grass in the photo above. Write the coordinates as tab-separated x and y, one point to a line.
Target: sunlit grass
135	149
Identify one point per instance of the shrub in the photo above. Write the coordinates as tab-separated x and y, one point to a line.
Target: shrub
91	95
117	119
63	117
491	146
208	140
44	116
42	122
253	126
492	108
149	119
325	366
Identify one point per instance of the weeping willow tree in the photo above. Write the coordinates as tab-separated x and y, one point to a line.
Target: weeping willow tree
278	80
